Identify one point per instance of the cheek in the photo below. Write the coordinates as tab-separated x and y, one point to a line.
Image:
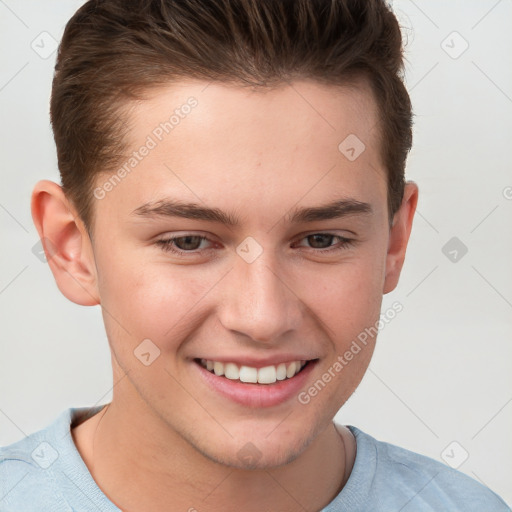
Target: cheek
348	296
145	298
148	300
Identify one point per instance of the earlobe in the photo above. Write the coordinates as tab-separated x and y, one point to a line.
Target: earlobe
66	242
399	236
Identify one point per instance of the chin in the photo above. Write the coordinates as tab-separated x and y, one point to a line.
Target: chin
251	458
261	453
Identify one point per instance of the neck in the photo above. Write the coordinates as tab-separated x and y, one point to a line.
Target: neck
141	464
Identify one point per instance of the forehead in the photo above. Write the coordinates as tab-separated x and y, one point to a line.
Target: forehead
271	147
302	108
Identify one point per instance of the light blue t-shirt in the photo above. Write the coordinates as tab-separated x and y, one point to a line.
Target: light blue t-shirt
45	473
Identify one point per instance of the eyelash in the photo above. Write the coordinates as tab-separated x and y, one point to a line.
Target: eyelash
167	244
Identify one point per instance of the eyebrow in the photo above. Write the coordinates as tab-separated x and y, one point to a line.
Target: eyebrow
174	208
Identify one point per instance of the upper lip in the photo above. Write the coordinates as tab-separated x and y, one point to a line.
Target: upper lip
255	362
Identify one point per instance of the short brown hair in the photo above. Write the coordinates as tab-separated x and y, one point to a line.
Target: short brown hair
115	50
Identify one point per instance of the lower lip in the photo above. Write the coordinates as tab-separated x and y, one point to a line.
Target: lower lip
256	395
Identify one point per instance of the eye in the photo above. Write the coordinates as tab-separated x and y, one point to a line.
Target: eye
182	244
323	241
190	244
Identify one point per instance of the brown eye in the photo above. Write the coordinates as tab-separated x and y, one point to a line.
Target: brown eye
320	240
182	244
188	243
322	243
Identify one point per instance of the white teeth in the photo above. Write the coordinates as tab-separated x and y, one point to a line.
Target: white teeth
265	375
281	372
248	374
231	371
290	370
218	368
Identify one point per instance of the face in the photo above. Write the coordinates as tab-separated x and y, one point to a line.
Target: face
243	234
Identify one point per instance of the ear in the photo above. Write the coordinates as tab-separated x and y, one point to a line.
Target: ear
399	236
66	243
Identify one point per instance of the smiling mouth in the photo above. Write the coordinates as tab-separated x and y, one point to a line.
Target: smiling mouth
251	375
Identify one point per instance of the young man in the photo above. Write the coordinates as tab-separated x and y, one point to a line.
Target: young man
233	197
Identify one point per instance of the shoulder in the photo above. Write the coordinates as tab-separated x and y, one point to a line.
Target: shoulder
417	482
25	474
32	470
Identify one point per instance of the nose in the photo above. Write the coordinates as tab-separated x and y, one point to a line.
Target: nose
259	302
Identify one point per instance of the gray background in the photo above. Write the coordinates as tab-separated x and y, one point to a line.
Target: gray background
442	370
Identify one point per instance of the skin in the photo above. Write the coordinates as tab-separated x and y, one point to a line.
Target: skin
167	438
